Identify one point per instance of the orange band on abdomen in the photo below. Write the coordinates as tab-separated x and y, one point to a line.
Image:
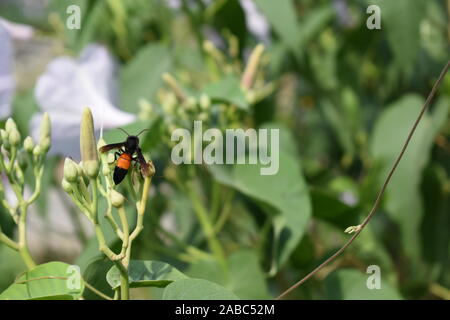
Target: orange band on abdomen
124	161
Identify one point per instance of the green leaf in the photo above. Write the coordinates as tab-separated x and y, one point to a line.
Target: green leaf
403	200
95	275
53	280
9	271
283	195
146	274
282	16
245	278
197	289
141	77
229	90
328	207
348	284
400	22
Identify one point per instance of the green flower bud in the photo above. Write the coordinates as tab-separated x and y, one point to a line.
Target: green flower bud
66	186
70	171
22	159
91	168
117	199
248	78
28	144
14	137
5	139
45	144
80	168
45	134
176	88
205	101
88	145
37	151
10	125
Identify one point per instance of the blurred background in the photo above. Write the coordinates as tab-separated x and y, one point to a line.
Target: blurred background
344	98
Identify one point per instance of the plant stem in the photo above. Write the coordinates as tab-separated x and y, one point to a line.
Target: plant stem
207	227
8	241
23	247
124	287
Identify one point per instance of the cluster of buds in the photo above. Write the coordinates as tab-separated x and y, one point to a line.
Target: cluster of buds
85	181
183	100
16	156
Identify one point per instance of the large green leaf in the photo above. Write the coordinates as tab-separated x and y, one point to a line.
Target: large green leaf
95	275
403	200
141	77
53	280
9	270
146	274
283	195
229	90
348	284
197	289
245	277
400	22
283	18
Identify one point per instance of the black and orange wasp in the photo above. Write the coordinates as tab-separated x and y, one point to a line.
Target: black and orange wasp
124	156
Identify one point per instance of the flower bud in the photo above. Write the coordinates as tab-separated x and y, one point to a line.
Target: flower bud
251	69
205	101
28	144
37	151
5	139
88	145
66	185
10	125
91	168
70	171
14	137
45	134
117	199
45	144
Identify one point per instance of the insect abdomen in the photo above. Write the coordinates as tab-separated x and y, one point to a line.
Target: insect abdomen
121	170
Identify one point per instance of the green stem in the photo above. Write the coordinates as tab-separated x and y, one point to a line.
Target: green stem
207	227
141	208
23	247
8	241
125	229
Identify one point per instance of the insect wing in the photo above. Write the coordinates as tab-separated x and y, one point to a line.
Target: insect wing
111	146
144	165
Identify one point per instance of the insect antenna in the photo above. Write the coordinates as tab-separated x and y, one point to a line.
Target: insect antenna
124	131
142	132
